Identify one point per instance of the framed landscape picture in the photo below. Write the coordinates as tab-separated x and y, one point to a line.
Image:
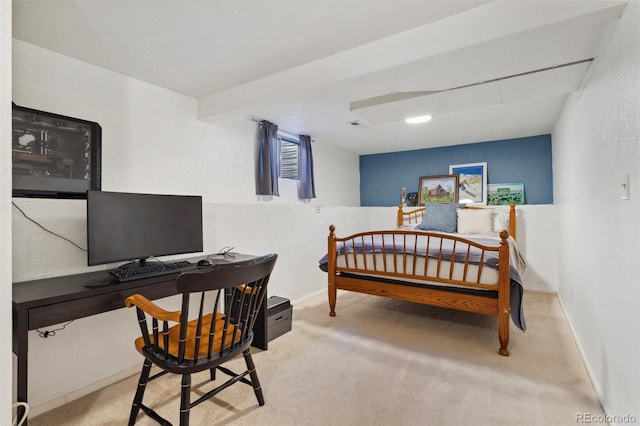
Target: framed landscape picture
505	193
438	189
472	182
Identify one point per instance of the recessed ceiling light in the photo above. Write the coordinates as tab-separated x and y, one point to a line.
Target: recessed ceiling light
419	119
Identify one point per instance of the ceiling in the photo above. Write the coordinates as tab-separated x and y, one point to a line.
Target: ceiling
484	70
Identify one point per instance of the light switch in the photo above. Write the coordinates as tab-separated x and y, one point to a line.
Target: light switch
624	186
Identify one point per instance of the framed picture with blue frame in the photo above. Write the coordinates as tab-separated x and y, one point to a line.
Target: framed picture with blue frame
472	182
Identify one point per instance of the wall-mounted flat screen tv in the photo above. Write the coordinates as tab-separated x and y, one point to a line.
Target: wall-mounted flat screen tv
53	155
125	226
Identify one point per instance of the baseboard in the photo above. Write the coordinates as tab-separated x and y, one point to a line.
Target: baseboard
79	393
583	356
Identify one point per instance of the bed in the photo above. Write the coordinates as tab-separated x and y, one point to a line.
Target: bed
473	265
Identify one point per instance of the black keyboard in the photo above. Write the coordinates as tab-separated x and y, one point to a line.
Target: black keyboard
151	270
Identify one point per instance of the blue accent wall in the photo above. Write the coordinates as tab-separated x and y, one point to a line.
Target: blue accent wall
525	160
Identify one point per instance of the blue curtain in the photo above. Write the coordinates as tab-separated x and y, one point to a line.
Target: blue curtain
267	164
306	186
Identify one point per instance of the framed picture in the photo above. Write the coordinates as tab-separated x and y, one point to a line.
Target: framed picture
505	193
472	182
438	189
54	156
412	199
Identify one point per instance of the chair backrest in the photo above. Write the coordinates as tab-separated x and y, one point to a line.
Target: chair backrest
228	296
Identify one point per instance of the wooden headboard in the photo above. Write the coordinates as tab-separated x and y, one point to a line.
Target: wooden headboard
416	215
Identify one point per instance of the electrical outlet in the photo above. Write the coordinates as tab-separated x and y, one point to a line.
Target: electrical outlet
318	210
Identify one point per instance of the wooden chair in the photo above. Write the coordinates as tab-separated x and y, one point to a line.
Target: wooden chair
228	297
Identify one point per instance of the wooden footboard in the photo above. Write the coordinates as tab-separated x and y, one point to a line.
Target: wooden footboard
407	269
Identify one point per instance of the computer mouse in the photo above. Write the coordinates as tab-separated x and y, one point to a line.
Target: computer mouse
205	262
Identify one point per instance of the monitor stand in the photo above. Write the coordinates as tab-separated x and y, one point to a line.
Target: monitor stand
134	264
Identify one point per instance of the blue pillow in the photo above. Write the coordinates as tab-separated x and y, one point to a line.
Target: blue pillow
440	217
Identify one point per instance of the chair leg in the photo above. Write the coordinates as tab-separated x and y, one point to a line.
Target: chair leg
142	385
185	404
212	373
254	376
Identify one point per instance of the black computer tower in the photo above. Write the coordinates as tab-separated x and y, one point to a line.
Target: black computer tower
274	319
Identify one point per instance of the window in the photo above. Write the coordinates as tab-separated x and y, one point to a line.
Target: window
289	150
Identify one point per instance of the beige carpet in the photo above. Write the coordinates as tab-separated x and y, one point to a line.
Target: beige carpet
382	362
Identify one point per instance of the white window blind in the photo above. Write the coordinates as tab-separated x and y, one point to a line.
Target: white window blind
289	150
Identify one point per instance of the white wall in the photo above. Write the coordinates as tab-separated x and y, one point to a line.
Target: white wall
152	142
595	142
6	396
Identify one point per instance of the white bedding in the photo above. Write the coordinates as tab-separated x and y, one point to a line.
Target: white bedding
390	264
515	257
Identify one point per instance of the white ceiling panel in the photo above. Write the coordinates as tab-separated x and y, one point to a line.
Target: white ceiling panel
561	80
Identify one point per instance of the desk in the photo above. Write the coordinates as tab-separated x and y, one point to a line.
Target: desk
49	301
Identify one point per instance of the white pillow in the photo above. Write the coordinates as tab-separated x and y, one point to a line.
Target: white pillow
475	221
500	221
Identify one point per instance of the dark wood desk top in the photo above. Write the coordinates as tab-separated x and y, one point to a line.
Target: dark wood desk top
63	298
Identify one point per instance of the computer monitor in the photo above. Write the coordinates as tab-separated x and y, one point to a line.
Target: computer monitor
127	226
